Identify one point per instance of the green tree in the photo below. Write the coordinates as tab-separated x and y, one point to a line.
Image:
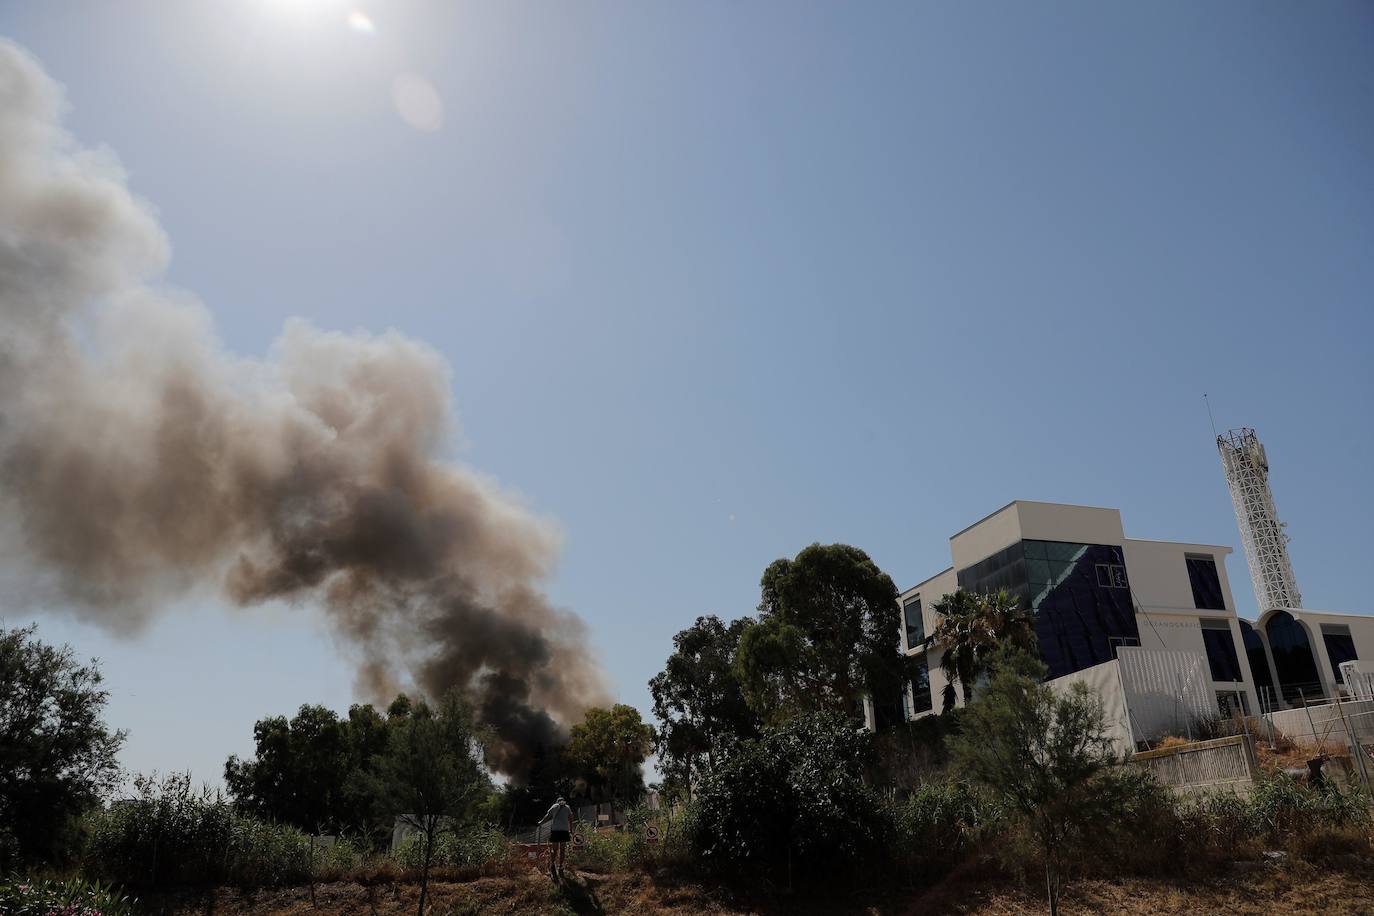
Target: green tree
971	629
698	701
299	773
1041	752
57	758
313	771
608	748
431	772
827	635
792	802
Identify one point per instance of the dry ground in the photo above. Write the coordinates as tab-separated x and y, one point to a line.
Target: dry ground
1345	887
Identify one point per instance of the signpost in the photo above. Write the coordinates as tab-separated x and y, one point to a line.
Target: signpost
578	841
651	834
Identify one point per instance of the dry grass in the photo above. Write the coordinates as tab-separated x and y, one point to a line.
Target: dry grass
1345	885
1250	889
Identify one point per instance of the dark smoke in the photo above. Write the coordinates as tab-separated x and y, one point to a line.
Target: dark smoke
139	461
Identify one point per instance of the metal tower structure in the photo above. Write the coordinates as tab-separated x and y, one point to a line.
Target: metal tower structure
1261	532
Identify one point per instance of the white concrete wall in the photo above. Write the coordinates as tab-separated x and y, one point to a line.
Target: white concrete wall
1159	574
985	537
1075	524
1105	681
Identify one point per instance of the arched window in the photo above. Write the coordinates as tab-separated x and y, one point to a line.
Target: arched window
1293	659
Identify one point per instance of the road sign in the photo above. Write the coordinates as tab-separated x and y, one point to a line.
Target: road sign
577	841
651	835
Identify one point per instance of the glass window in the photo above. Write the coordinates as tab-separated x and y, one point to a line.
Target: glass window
1202	573
915	622
1340	647
920	689
1111	575
1293	658
1221	650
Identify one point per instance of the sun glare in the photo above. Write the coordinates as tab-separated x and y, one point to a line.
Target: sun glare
302	11
359	21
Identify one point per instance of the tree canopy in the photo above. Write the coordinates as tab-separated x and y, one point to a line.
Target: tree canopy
314	770
828	633
608	749
698	701
57	757
432	771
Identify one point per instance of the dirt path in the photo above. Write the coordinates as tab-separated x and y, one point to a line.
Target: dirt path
1258	889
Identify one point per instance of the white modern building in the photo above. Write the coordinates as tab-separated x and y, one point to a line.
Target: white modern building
1094	592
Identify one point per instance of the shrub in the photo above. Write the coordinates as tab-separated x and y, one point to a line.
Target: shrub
469	847
628	846
614	850
1281	808
39	897
792	805
171	835
939	823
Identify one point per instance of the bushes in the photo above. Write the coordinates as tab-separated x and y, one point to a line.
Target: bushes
792	804
171	835
39	897
1150	831
1282	808
470	847
938	824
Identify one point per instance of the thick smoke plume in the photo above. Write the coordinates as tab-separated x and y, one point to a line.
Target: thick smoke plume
139	461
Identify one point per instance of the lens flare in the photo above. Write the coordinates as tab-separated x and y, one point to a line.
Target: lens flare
417	102
360	22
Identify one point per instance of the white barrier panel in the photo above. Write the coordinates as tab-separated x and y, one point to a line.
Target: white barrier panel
1167	691
1359	679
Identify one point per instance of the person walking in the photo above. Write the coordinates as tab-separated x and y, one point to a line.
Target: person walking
559	820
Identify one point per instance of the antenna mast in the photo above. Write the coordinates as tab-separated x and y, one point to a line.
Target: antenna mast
1261	532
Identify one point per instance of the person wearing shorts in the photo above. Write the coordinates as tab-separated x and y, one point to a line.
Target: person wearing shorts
559	820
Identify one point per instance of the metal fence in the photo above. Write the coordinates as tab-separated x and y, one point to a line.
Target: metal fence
1342	725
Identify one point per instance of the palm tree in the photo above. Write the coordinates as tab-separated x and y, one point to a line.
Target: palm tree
971	628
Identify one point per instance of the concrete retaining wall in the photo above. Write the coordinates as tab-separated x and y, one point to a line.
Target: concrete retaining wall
1223	764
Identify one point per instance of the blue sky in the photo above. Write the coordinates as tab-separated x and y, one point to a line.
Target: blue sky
720	280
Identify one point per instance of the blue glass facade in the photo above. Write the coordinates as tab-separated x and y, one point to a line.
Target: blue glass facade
1079	594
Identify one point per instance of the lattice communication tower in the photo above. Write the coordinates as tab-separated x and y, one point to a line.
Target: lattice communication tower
1261	532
